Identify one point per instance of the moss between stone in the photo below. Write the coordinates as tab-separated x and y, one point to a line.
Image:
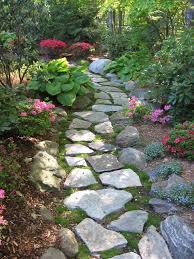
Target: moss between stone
110	253
84	253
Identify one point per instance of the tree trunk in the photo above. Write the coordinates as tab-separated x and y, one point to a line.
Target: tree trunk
190	15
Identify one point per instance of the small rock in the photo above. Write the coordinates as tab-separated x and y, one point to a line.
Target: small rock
53	253
119	120
101	101
130	85
104	128
93	117
111	76
128	137
76	149
81	102
80	124
60	112
162	206
102	95
68	243
98	66
130	255
46	214
49	146
80	135
97	238
75	161
106	108
132	156
101	146
179	237
153	246
131	221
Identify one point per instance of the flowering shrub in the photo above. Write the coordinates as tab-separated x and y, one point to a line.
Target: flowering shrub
180	140
161	115
3	222
137	110
52	47
35	117
154	150
80	49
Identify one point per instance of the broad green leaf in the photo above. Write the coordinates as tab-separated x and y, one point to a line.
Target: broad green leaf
53	88
34	85
66	99
67	87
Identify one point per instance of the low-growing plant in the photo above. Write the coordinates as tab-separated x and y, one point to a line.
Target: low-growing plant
53	48
180	140
161	115
59	79
154	150
80	49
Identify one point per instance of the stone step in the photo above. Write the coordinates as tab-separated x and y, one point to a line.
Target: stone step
80	135
92	116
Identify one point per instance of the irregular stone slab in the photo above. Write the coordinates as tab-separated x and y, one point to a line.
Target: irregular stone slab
102	95
104	163
120	120
53	253
132	156
162	206
130	255
108	89
82	102
93	117
49	146
106	108
104	128
122	101
98	66
75	161
153	246
101	146
79	124
76	149
98	204
121	179
68	243
111	76
179	237
128	137
131	221
97	238
79	177
101	101
110	83
99	79
120	95
80	135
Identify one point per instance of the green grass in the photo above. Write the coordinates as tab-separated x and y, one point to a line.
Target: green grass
84	253
153	219
110	253
133	240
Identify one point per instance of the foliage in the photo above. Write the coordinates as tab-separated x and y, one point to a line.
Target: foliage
180	140
161	115
80	49
59	79
52	47
154	150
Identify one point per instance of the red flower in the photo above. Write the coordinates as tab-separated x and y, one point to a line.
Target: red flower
165	139
82	46
191	132
52	43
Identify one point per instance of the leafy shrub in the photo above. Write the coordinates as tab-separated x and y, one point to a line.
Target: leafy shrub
60	80
180	140
35	117
164	170
154	150
52	47
80	49
161	115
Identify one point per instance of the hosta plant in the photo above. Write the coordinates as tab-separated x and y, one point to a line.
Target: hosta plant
60	80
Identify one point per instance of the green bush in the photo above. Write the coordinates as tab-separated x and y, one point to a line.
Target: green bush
58	79
154	150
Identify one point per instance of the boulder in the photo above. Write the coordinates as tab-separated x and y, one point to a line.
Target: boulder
128	137
68	243
132	156
162	206
49	146
53	253
98	66
130	85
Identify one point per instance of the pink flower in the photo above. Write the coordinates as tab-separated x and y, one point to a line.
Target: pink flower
167	107
34	113
23	114
130	114
3	221
177	140
52	118
2	194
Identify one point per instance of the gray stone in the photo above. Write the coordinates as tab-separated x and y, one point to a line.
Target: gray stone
60	112
80	135
97	238
111	83
98	66
82	102
130	255
120	120
46	214
121	179
132	156
98	79
111	76
128	137
49	146
75	161
79	124
162	206
153	246
131	221
53	253
104	163
119	98
121	101
104	128
102	95
108	89
93	117
79	177
179	237
68	243
76	149
130	85
141	94
101	146
98	204
46	173
101	101
106	108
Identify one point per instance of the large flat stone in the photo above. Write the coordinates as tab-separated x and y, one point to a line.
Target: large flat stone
75	161
130	255
111	83
102	101
162	206
104	128
108	89
76	149
80	177
179	237
120	120
98	66
121	179
98	204
92	116
101	146
119	98
102	95
80	135
104	163
131	221
153	246
128	137
106	108
132	156
79	124
97	238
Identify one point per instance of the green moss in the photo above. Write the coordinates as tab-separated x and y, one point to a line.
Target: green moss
133	240
110	253
84	253
67	217
153	219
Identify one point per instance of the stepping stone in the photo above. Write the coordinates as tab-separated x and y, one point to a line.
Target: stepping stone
101	146
119	98
79	124
102	95
104	128
98	204
106	108
99	79
131	221
75	149
93	117
101	101
97	238
130	255
75	161
120	120
98	66
80	177
104	163
132	156
121	101
108	89
162	206
121	179
80	135
128	137
109	83
153	246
